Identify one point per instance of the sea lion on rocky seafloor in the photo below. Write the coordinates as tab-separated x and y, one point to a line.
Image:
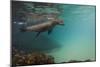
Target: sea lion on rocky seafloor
43	27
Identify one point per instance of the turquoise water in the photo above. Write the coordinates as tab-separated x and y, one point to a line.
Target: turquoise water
73	41
77	37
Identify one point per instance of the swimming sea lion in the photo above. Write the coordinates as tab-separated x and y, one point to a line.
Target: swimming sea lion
42	27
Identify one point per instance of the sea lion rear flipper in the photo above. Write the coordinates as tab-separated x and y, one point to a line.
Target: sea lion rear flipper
49	31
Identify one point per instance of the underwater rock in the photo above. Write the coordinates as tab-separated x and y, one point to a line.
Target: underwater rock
88	60
36	58
77	61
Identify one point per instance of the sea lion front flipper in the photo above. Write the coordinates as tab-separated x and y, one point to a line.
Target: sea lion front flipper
37	34
49	31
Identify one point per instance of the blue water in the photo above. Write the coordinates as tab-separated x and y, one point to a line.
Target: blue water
73	41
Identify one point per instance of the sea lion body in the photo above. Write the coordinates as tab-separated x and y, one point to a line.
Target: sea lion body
42	27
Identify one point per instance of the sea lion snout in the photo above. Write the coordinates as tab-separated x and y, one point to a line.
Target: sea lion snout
60	22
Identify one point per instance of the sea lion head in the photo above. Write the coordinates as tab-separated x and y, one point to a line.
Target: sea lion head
59	22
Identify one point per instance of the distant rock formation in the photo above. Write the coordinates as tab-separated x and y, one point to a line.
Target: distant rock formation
78	61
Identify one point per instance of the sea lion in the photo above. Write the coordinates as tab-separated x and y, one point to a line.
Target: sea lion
42	27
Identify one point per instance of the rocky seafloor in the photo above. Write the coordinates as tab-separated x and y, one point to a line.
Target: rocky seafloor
20	58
